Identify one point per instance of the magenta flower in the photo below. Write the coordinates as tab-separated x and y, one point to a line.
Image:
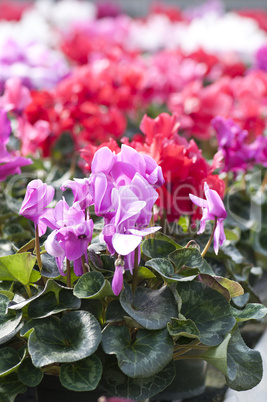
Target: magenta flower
71	236
5	129
81	191
232	143
34	206
117	280
213	209
16	96
10	164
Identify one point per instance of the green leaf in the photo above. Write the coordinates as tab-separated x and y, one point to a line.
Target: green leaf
10	387
74	337
9	320
83	375
144	356
211	282
165	268
154	248
118	384
17	267
9	361
49	269
232	235
28	374
92	285
54	299
188	256
227	287
244	365
30	246
35	276
150	308
234	288
252	311
114	312
145	273
217	355
179	327
208	309
241	365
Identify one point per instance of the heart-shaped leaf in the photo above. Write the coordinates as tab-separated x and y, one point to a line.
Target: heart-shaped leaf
9	321
144	356
54	299
118	384
188	256
17	267
252	311
244	365
10	387
208	309
83	375
49	268
165	268
241	365
9	361
150	308
28	374
92	285
186	328
74	337
154	248
225	286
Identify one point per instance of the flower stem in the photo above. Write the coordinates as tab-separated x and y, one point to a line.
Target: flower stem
135	270
68	274
84	264
210	239
28	290
37	248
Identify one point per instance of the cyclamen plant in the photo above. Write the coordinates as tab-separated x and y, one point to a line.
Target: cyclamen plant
133	292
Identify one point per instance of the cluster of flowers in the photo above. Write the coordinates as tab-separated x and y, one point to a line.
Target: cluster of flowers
238	154
184	168
94	68
122	190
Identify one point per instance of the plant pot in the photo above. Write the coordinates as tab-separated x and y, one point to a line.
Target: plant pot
188	382
51	390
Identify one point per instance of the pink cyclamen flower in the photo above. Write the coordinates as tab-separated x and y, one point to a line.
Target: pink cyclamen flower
117	280
71	236
16	96
213	209
38	196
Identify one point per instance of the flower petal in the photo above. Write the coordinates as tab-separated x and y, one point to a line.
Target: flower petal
125	243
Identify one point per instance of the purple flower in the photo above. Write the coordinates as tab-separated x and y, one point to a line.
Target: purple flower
10	164
126	168
117	280
213	209
232	143
5	129
38	196
81	191
261	58
121	234
71	236
16	96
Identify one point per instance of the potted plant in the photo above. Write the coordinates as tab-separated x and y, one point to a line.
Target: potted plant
117	310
